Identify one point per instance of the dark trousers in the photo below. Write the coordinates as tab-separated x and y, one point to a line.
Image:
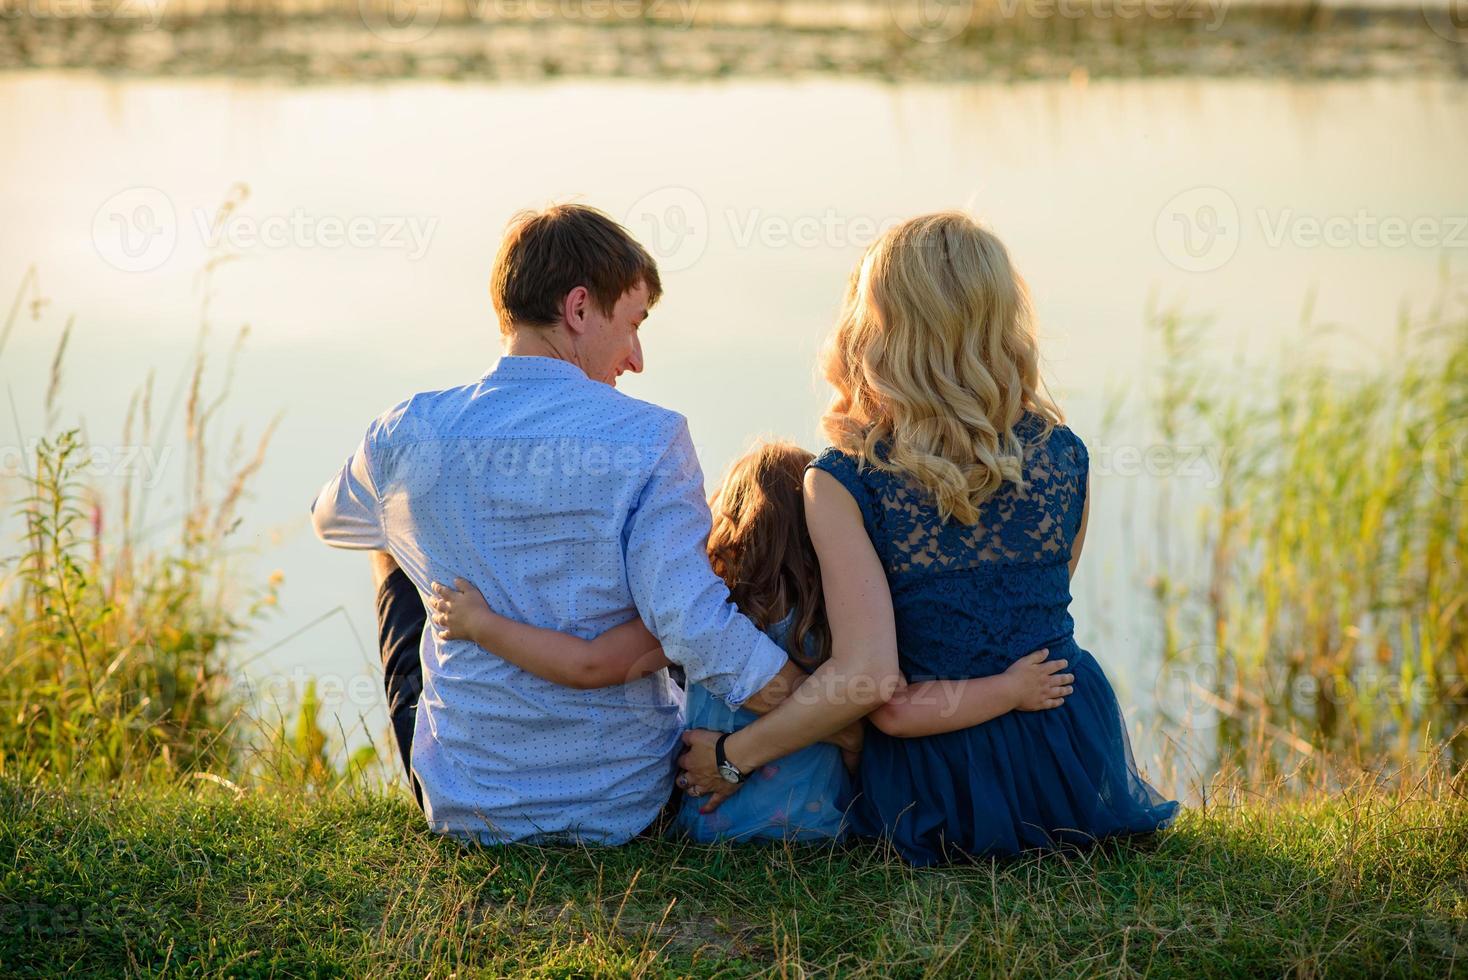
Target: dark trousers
400	621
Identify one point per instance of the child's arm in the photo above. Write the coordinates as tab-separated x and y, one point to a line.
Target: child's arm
622	654
1031	683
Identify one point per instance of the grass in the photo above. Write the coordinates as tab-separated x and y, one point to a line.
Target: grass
197	881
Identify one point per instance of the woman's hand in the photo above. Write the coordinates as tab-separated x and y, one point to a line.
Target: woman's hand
460	613
700	777
1036	684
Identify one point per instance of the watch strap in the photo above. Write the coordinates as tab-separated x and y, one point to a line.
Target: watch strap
723	760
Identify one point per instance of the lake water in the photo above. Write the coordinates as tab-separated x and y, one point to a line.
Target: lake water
373	213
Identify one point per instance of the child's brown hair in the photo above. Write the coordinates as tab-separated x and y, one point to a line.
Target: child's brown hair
760	547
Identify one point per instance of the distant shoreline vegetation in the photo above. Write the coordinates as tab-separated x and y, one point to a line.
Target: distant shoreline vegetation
356	40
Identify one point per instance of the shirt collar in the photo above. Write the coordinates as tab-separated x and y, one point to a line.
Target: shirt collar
528	368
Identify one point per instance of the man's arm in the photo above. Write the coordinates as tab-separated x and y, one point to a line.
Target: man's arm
682	601
345	513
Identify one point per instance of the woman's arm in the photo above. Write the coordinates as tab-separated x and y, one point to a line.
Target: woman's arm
861	672
623	653
1031	683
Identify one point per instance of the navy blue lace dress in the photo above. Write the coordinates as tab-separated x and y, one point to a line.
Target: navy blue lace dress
969	601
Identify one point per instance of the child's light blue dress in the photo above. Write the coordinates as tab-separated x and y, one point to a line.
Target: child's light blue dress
801	797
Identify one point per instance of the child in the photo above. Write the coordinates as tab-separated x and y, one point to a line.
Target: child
759	545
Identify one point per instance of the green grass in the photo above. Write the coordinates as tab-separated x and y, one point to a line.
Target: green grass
197	881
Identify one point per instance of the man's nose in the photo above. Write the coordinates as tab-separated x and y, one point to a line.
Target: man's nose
634	363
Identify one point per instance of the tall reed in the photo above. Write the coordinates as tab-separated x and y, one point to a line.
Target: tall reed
114	655
1326	606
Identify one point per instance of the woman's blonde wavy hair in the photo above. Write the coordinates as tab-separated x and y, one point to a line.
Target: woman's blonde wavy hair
935	359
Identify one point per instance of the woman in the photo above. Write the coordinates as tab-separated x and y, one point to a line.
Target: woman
948	516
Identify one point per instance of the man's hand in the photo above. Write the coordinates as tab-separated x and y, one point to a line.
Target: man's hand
700	776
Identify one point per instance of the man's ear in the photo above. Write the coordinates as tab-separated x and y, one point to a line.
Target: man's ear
575	309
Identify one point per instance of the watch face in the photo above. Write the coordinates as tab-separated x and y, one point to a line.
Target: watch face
729	773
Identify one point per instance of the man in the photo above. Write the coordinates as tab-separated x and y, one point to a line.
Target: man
570	506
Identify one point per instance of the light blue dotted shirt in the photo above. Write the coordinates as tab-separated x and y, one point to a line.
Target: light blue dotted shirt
574	507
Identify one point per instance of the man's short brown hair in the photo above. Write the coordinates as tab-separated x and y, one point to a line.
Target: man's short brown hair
546	254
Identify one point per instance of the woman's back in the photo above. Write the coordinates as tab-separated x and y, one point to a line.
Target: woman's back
970	600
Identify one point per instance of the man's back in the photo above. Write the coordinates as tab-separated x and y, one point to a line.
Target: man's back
572	507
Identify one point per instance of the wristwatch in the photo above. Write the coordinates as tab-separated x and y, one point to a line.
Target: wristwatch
727	769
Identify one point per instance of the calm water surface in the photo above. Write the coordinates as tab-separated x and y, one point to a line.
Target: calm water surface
362	250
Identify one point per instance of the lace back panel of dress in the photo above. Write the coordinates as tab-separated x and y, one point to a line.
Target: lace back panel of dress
1033	524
